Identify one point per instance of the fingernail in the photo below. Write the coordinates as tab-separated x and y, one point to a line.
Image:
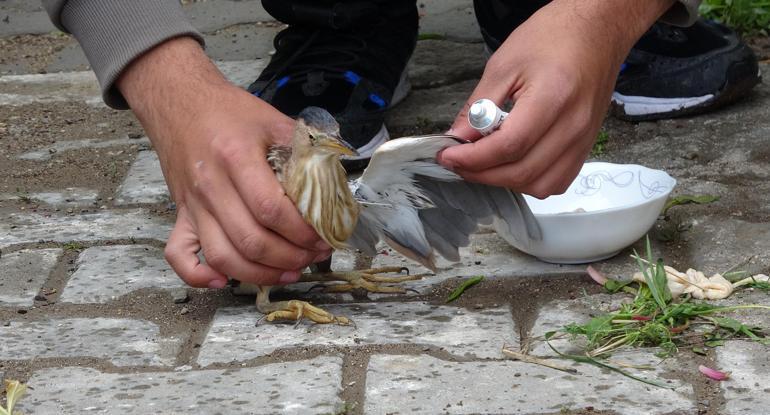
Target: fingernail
322	246
288	277
217	284
322	256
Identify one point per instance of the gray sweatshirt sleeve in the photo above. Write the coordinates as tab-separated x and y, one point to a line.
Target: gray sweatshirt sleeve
113	33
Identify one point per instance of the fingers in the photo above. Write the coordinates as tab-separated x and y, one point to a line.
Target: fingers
221	255
182	254
532	116
252	241
266	200
550	166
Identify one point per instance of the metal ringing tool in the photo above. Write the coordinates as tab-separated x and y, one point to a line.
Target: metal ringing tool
484	116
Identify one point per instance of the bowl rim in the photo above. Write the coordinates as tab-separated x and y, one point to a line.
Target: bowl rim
615	208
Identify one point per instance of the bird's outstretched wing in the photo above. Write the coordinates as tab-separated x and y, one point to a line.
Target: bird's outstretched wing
418	207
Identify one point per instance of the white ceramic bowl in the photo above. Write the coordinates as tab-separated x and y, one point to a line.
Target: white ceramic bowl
607	208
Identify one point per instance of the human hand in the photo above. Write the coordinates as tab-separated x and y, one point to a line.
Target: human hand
212	139
559	67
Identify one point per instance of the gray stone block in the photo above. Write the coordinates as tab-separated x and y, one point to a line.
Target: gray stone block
301	387
234	337
746	392
123	342
108	272
400	384
144	182
441	62
46	153
20	17
34	227
81	86
24	273
69	197
217	14
454	19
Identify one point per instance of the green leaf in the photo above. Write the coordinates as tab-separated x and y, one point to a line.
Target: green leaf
686	199
464	286
613	286
699	350
714	343
728	323
599	145
430	36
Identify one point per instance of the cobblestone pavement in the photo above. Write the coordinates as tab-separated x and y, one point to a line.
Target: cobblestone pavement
94	320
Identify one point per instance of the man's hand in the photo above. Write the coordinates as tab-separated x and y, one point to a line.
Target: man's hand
212	139
559	67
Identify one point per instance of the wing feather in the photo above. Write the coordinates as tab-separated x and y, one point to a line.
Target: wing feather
418	207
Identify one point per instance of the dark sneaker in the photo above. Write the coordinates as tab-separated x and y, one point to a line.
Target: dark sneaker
674	71
348	60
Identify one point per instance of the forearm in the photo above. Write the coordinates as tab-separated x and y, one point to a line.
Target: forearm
171	77
113	33
612	26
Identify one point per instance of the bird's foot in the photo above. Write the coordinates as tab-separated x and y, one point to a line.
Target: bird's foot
298	310
367	279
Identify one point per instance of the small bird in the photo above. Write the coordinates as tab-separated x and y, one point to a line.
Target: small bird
404	197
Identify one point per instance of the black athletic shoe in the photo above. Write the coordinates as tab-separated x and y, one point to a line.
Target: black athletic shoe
674	71
348	58
671	71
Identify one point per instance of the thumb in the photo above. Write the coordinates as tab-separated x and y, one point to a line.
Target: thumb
485	89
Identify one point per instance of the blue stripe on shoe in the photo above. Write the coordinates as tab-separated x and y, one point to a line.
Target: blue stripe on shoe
281	82
377	100
352	77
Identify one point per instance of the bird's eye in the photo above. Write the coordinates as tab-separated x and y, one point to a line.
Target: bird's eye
311	137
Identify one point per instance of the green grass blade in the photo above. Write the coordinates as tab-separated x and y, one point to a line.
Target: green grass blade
592	361
470	282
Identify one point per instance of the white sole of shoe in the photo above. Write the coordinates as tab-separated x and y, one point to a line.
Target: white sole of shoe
639	105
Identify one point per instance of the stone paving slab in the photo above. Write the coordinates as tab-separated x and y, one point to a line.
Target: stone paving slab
69	197
723	243
123	342
434	63
144	182
105	225
242	42
399	384
748	389
429	109
453	19
45	153
24	273
105	273
82	86
302	387
234	337
23	16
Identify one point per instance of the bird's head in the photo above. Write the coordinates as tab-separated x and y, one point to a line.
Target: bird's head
321	131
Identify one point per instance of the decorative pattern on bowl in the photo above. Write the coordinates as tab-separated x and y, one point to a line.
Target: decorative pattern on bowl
606	208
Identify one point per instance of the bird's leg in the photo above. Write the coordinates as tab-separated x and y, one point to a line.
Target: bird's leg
294	310
366	279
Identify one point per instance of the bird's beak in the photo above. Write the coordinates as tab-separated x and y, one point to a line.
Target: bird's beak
338	145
